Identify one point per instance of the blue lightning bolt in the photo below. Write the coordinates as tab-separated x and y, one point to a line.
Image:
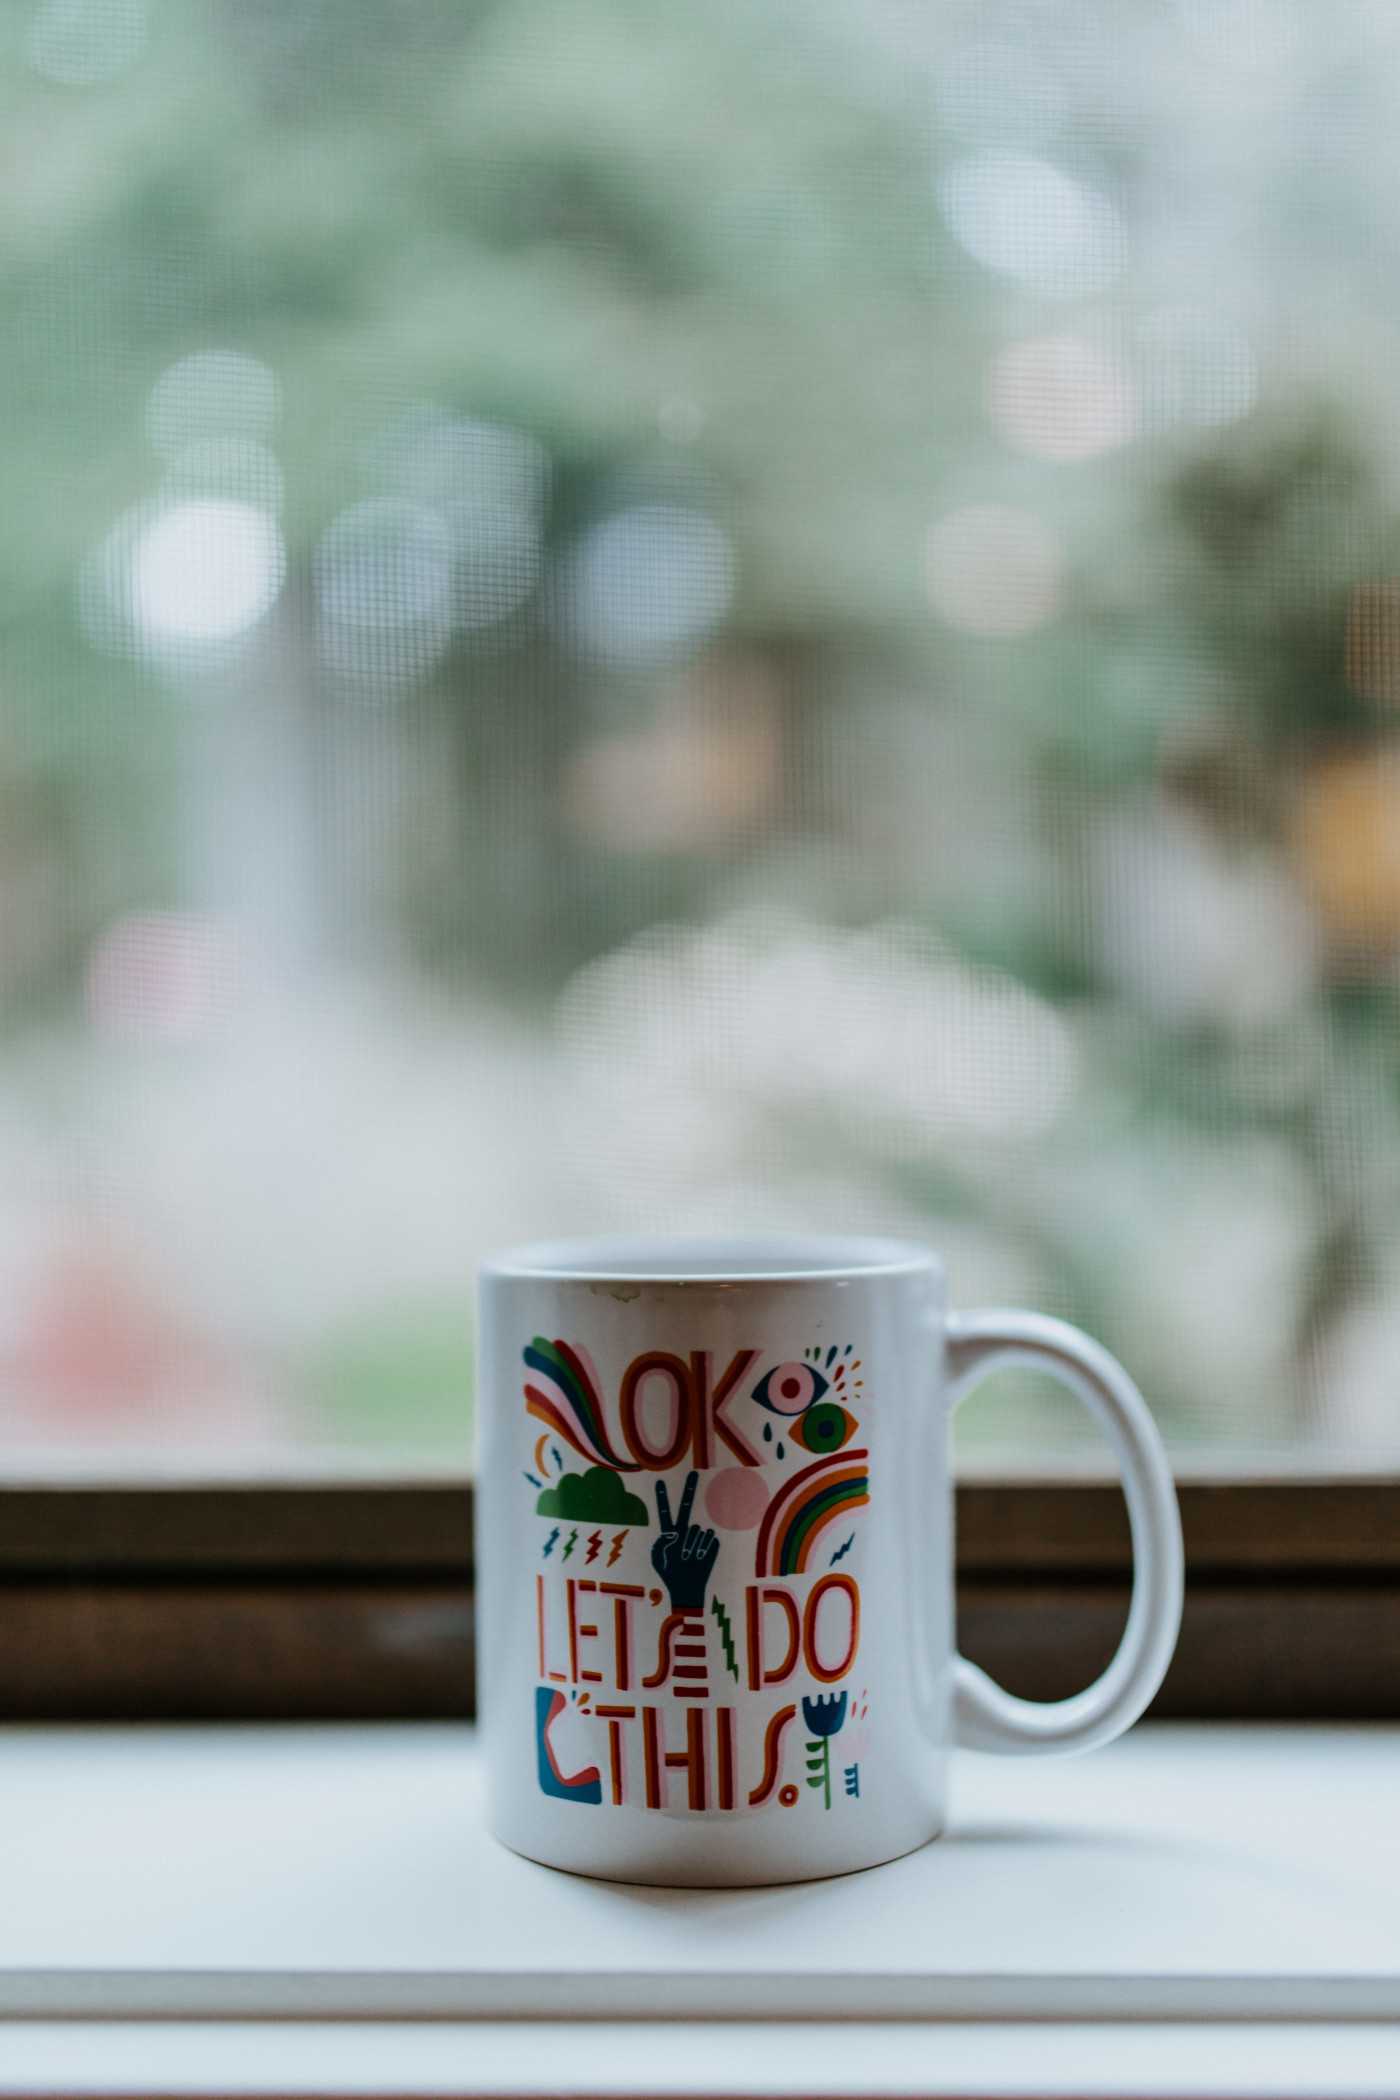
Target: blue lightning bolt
532	1480
549	1542
554	1453
841	1552
569	1543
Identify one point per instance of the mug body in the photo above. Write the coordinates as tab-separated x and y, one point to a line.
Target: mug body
714	1555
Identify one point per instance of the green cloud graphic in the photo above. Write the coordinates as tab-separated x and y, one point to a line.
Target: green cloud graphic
594	1497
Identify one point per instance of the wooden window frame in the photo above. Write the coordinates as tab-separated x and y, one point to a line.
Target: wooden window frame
318	1600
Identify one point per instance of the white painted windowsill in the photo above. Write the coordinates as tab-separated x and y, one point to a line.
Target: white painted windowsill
316	1910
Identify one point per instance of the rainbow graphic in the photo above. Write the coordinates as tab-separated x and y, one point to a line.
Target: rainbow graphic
801	1511
564	1394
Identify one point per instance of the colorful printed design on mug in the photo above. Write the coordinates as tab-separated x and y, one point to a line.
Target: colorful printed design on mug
583	1786
799	1514
681	1633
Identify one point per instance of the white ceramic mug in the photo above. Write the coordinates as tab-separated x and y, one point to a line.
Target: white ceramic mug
715	1554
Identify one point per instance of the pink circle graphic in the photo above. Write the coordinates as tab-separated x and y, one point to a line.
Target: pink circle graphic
736	1498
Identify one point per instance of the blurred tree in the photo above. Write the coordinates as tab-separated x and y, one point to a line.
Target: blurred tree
737	457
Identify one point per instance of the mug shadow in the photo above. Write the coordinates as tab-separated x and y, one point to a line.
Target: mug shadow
1042	1834
776	1898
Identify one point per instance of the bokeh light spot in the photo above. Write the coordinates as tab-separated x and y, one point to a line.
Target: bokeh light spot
167	977
1030	222
430	456
1190	932
489	484
227	466
384	564
384	573
646	584
180	582
203	571
993	570
1346	840
211	394
705	772
1062	398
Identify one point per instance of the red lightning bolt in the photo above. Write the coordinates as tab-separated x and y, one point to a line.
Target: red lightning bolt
595	1547
616	1547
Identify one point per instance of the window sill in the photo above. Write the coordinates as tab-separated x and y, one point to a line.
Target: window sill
1198	1890
343	1601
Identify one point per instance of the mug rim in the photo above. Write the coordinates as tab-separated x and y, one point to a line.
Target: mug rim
711	1258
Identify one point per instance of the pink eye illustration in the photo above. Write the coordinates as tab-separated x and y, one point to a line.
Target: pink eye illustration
790	1388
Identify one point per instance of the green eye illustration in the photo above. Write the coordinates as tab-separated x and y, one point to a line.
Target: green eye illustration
825	1427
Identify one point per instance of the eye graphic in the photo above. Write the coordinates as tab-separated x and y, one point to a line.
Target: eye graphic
824	1428
790	1388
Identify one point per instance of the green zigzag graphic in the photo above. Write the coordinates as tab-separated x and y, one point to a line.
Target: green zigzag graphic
726	1636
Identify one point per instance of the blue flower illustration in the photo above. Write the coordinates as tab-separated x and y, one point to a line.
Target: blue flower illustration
823	1716
825	1713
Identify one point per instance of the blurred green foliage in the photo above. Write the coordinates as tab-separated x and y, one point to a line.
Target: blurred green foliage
698	255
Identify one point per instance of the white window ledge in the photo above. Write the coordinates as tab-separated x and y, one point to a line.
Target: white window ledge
1196	1909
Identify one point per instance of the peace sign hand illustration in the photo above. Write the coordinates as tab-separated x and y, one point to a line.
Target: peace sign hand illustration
685	1553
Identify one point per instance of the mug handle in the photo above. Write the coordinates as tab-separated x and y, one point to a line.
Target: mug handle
984	1716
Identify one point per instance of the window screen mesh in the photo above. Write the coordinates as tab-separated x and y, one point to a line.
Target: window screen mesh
682	616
